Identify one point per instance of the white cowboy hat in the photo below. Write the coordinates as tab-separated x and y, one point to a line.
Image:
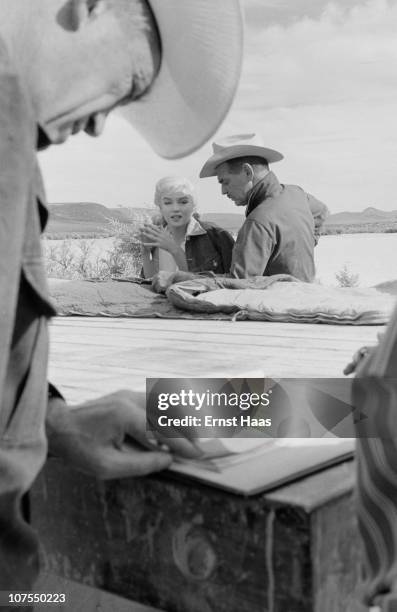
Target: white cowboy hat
202	48
240	145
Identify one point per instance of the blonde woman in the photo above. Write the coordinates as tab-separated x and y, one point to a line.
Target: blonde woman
178	240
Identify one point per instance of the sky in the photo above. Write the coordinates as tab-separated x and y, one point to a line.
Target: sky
319	83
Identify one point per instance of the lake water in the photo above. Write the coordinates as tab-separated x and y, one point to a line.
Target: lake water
372	256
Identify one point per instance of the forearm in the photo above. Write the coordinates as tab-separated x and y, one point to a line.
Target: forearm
243	267
180	259
227	245
148	264
251	252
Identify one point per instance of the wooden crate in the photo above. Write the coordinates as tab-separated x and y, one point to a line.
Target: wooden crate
183	547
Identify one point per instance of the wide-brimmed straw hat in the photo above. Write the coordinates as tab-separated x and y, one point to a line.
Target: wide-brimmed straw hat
202	48
240	145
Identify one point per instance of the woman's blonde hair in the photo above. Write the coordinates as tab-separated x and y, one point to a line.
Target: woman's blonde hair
171	184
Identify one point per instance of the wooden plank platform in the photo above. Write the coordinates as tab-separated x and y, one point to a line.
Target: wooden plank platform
177	545
90	356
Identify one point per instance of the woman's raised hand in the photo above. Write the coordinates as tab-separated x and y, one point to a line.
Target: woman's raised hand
154	236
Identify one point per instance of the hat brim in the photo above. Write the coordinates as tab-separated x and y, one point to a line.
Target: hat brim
270	155
202	48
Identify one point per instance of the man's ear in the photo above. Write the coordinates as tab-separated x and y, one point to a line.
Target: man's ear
249	171
82	11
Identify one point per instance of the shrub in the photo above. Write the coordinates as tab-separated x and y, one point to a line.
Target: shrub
126	258
346	278
75	259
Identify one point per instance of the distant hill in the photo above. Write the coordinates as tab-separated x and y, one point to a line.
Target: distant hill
368	220
92	218
87	218
369	215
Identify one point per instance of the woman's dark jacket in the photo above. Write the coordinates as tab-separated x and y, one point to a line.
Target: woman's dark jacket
210	252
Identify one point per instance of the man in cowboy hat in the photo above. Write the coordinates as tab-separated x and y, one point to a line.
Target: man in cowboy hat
282	221
64	65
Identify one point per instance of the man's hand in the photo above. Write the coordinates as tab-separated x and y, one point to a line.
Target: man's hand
107	437
162	280
358	358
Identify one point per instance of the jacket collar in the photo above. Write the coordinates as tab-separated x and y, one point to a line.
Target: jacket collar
268	187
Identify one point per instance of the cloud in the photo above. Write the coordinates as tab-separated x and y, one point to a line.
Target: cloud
319	82
323	90
283	12
347	54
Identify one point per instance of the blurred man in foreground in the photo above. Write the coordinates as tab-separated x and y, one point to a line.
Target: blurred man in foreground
64	65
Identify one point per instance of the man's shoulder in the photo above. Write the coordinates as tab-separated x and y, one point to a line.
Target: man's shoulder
291	197
284	194
290	204
290	191
258	222
265	211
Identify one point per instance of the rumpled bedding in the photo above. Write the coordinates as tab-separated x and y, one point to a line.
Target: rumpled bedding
282	298
115	298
